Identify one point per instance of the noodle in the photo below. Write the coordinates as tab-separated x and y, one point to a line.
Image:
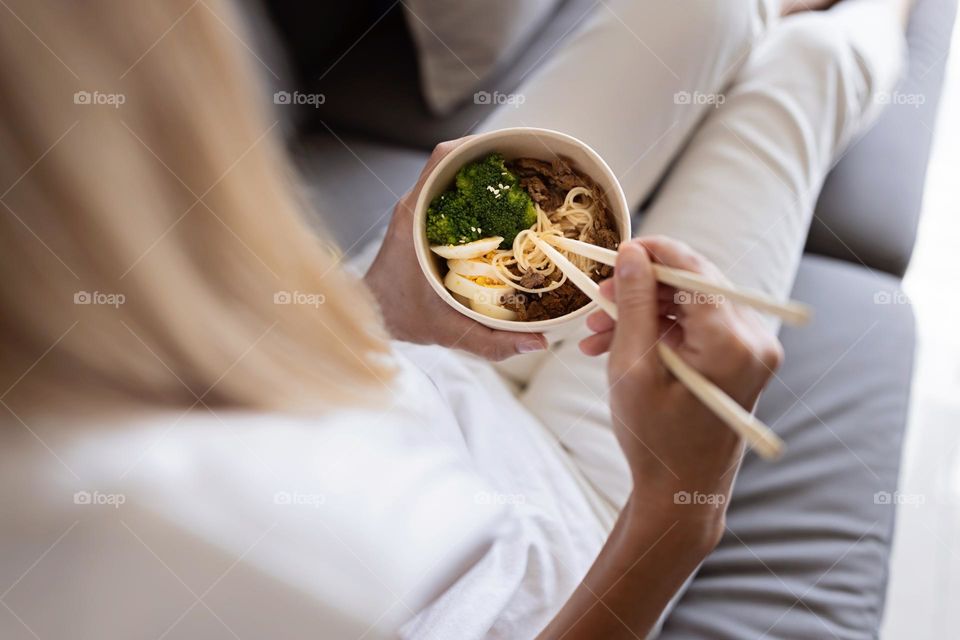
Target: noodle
573	219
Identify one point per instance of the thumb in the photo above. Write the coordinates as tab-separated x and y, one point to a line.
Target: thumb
500	345
637	329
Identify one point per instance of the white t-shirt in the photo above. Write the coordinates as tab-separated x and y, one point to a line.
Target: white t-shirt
452	514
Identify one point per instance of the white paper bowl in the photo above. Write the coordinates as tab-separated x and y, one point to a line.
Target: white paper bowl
519	142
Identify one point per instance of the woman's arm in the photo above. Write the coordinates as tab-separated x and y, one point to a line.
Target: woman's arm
682	458
645	561
673	444
412	311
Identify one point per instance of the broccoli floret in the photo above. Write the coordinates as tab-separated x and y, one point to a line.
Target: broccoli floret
450	220
487	201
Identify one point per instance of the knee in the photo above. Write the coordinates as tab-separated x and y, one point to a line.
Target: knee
730	30
864	54
742	24
724	31
815	42
825	62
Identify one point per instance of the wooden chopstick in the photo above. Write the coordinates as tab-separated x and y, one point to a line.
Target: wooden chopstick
791	312
758	435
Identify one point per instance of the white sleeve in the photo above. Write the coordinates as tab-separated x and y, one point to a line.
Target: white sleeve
278	528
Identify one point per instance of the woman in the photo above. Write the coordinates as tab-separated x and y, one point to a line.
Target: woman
168	408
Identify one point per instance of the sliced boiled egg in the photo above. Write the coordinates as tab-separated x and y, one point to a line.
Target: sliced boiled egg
474	267
469	250
479	289
493	310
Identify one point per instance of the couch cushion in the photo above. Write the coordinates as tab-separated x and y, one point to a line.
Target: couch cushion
870	204
808	540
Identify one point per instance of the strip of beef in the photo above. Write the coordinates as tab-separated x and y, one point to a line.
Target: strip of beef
608	239
548	183
533	280
537	178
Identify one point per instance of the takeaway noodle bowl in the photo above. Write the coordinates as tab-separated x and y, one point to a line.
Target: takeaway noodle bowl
488	222
486	205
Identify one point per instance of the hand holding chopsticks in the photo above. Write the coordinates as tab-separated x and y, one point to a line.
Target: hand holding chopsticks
754	432
791	312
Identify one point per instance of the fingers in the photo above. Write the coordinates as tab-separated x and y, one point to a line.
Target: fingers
729	346
665	293
600	343
497	345
637	307
673	253
678	255
599	322
597	344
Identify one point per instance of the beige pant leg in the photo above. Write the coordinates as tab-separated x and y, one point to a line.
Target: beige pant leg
633	81
742	192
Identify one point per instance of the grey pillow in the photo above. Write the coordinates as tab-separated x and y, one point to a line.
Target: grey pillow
460	44
870	204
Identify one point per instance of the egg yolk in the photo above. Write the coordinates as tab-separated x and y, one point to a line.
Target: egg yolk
484	281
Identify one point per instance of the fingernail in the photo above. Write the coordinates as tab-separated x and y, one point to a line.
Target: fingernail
629	263
529	347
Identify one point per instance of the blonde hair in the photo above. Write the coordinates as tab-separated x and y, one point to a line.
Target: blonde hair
151	243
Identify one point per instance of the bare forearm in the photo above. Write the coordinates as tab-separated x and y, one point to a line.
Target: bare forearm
643	564
672	442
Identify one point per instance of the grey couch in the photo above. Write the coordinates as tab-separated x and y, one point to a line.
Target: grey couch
847	376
